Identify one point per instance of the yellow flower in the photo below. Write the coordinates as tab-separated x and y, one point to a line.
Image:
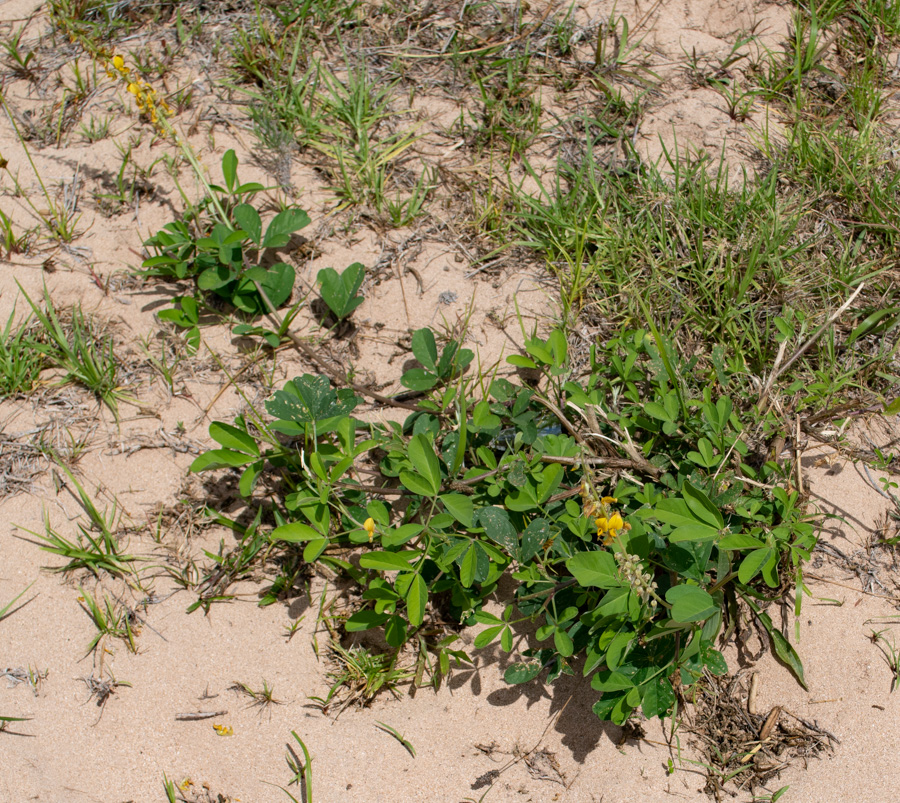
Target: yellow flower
369	527
608	500
602	525
119	64
223	730
134	89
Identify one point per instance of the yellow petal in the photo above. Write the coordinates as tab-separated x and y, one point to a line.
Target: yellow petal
602	524
609	500
615	522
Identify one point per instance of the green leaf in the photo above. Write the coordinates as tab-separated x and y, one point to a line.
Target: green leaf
415	482
875	323
751	565
229	169
700	505
220	458
522	672
218	276
418	379
657	411
607	680
780	644
520	361
248	219
498	528
893	408
468	566
311	398
339	290
249	477
671	510
690	603
233	438
387	561
365	620
485	637
424	349
314	549
658	698
416	599
294	532
277	283
714	661
536	534
693	532
739	541
395	631
563	643
594	569
460	507
404	533
425	461
483	419
283	225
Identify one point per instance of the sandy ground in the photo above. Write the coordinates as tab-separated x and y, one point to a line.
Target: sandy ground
532	743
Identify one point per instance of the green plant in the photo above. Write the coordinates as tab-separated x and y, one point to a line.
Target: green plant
170	789
302	770
18	61
60	217
890	653
11	242
435	370
4	721
355	109
633	558
339	290
85	356
222	255
97	548
110	618
21	360
398	736
361	674
262	697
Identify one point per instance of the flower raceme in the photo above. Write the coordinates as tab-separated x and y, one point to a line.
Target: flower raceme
145	97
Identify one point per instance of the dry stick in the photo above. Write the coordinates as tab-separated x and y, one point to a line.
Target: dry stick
194	717
810	576
776	372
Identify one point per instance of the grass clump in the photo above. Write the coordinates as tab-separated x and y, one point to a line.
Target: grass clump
87	357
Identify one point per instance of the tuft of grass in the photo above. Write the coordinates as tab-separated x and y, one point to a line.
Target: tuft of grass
97	548
361	674
21	358
87	357
111	619
302	771
261	698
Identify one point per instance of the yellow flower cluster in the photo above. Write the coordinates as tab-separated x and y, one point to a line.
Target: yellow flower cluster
145	97
609	522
